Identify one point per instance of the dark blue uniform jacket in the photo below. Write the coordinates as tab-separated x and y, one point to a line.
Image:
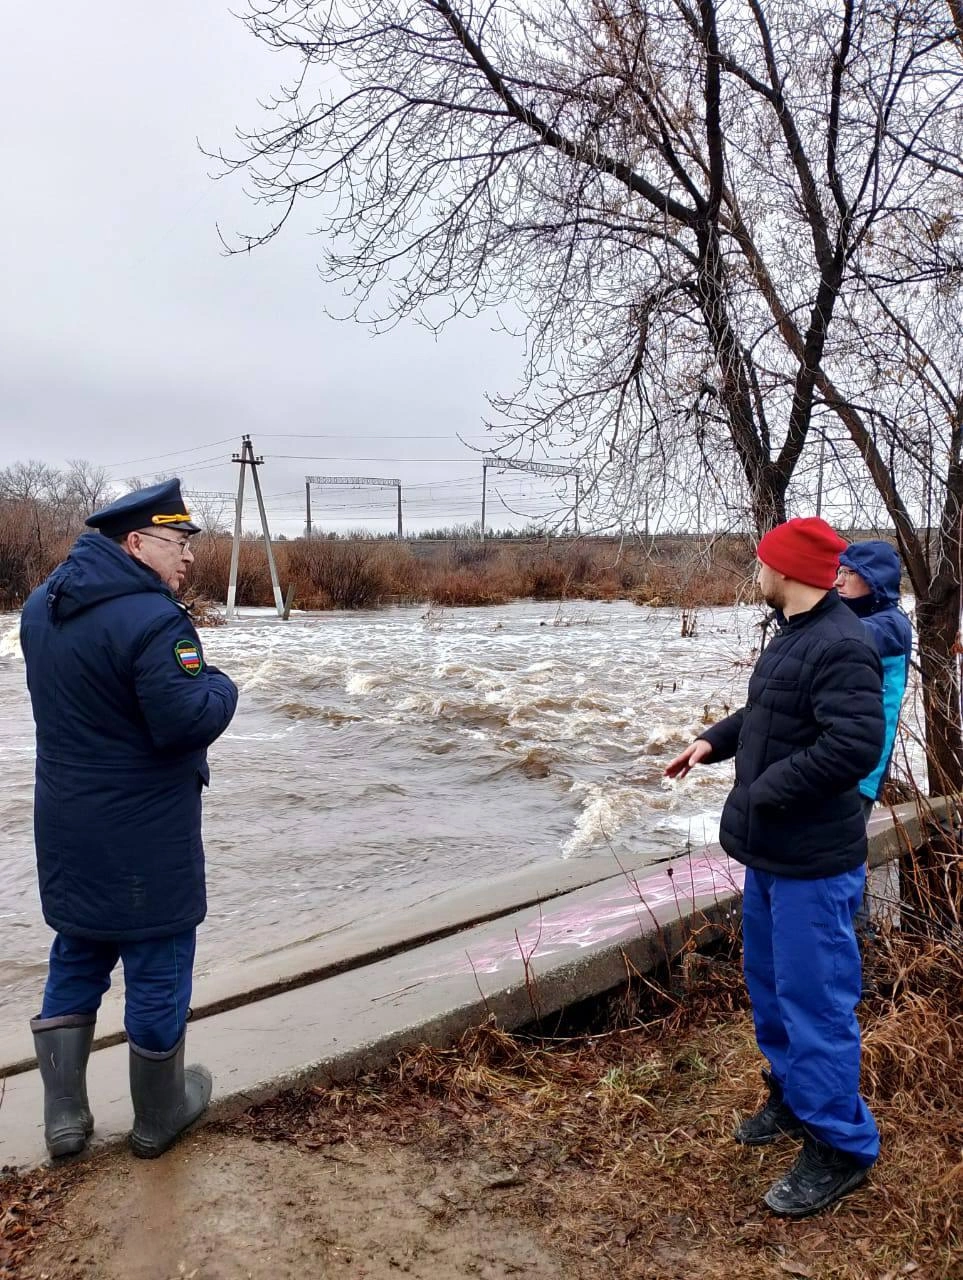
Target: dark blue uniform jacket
878	565
810	730
125	708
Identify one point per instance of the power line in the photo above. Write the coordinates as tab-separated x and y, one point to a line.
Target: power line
353	457
346	435
176	453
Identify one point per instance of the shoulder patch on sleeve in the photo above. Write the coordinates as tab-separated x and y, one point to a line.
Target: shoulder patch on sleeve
188	655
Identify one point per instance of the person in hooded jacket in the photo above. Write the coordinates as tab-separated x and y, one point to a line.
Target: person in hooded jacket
125	707
811	728
868	581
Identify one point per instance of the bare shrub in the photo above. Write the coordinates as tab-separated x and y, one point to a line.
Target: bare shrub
463	587
31	545
341	575
211	567
465	555
545	578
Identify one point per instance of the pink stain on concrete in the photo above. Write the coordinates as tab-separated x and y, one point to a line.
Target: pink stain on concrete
622	911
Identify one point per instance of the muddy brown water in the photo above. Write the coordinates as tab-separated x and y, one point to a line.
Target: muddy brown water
381	758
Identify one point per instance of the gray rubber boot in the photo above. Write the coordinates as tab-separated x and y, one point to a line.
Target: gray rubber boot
167	1097
63	1048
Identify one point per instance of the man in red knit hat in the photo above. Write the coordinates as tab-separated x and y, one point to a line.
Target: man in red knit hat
811	729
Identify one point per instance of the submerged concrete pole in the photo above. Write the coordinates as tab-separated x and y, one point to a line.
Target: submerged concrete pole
254	464
236	544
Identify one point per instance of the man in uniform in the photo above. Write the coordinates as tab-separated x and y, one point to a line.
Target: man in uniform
811	729
125	708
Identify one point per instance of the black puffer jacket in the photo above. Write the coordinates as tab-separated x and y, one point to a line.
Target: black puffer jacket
812	727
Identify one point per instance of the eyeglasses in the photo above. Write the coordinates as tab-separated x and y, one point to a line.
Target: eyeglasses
182	543
846	573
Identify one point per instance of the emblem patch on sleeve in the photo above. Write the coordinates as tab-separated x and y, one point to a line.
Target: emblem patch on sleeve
188	657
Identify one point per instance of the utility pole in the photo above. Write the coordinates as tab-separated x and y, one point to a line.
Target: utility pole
819	475
247	459
484	487
307	508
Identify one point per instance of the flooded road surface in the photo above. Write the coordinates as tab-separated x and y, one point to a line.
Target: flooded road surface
379	758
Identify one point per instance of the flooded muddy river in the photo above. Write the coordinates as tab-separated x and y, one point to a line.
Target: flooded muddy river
380	758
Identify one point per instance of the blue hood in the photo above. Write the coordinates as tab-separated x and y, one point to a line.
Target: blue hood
97	570
878	565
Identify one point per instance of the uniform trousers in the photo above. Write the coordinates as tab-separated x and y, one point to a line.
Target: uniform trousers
158	975
803	971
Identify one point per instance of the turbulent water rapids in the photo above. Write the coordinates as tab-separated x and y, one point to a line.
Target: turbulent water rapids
380	758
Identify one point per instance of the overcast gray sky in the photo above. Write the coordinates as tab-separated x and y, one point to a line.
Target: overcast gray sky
129	339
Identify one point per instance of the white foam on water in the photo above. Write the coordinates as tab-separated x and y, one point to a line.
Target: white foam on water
605	810
267	674
699	829
10	642
363	682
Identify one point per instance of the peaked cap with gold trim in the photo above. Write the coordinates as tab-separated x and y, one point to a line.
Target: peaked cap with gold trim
160	505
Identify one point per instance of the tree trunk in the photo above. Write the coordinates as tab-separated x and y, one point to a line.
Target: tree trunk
937	624
931	877
768	498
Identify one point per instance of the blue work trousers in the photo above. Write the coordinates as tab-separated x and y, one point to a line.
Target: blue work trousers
803	972
158	975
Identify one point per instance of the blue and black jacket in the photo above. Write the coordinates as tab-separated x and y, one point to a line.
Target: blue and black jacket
877	564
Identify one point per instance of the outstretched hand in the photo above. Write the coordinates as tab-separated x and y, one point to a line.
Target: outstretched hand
694	754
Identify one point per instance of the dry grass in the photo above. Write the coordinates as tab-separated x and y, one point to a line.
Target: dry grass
619	1145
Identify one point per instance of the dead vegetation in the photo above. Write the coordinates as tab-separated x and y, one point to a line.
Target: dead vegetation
345	574
616	1146
608	1131
619	1144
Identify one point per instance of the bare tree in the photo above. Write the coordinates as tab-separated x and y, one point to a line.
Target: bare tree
214	512
697	210
88	485
26	481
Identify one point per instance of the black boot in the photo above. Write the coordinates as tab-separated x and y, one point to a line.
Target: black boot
167	1097
63	1048
821	1176
774	1119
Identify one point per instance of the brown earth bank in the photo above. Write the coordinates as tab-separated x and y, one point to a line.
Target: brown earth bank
601	1155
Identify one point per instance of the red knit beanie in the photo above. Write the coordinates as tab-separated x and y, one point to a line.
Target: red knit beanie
805	550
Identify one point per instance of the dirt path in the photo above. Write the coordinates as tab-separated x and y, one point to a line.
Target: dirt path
224	1207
